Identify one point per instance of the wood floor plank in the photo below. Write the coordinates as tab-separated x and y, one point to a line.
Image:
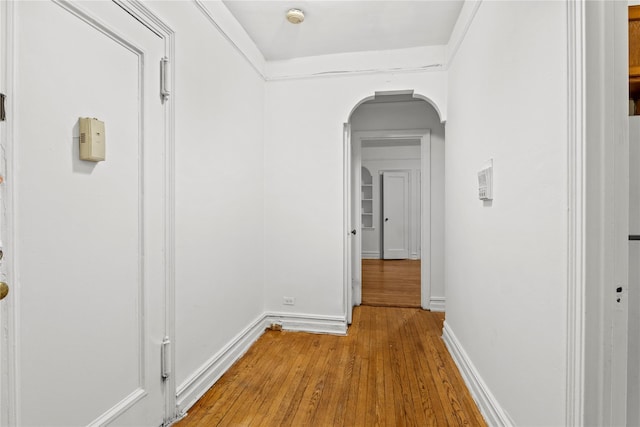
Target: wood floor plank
292	404
375	400
431	385
207	411
363	352
278	368
315	384
278	404
388	408
391	283
339	373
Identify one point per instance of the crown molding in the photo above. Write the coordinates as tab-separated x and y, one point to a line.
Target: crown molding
415	59
221	18
459	33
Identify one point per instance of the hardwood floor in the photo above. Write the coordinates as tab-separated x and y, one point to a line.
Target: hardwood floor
391	370
391	283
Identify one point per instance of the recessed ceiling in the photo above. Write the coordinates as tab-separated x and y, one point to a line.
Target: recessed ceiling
339	26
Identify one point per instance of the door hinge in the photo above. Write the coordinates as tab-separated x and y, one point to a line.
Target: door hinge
165	358
3	115
165	78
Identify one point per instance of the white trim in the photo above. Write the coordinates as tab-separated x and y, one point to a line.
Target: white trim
355	162
341	73
407	60
370	254
576	278
491	410
347	241
197	384
9	320
437	304
425	220
119	409
317	324
459	33
228	26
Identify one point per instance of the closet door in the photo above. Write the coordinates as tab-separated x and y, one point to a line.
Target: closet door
88	236
395	214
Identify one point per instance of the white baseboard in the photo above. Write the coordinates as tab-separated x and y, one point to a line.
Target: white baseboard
194	387
491	410
437	304
334	325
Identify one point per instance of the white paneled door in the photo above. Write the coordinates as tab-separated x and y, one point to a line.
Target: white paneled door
89	271
395	214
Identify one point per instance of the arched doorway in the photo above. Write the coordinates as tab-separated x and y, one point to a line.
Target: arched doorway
410	127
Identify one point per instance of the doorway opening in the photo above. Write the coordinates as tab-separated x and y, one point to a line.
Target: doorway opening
390	232
396	163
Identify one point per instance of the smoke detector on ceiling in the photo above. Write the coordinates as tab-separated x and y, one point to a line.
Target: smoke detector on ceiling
295	16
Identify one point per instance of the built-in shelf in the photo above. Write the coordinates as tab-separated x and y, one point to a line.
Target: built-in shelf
367	199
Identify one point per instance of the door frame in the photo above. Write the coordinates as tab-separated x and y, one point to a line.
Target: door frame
353	143
9	309
156	24
8	314
349	238
597	220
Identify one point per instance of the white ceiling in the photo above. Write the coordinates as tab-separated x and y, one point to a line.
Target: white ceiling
338	26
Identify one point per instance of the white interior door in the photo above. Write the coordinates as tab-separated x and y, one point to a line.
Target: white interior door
88	237
349	216
395	214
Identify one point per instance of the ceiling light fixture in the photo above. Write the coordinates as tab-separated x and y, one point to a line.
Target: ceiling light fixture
295	16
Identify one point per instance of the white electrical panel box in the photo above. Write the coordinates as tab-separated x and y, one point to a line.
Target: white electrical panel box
485	182
92	140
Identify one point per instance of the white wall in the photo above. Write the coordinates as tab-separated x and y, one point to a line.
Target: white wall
219	194
416	115
304	182
505	262
378	160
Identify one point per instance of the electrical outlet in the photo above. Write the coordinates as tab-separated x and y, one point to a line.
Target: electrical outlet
288	300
